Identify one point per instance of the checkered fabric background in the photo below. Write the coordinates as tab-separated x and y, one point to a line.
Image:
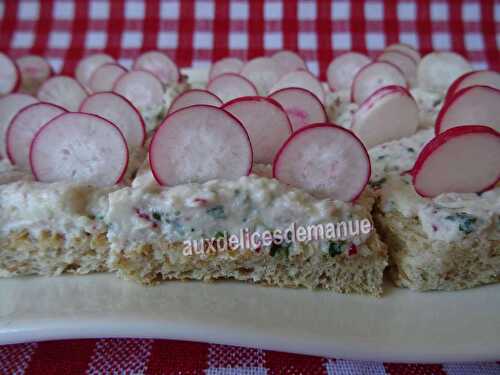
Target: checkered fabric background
194	34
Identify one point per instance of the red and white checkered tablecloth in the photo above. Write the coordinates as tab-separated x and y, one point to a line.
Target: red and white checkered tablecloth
194	34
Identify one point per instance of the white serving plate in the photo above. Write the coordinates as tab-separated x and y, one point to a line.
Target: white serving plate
402	326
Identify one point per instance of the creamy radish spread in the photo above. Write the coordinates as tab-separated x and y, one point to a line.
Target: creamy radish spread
429	105
9	173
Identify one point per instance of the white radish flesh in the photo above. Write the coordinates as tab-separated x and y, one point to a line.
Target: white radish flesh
225	65
35	70
263	72
118	110
303	79
374	76
105	77
142	88
160	65
289	61
472	105
23	128
405	48
302	106
9	75
343	69
464	159
404	62
198	144
265	121
79	147
437	70
325	160
230	86
9	106
388	114
87	66
193	97
475	78
63	91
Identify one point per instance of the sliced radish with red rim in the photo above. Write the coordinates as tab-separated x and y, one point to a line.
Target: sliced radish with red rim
404	62
193	97
160	65
374	76
105	77
142	88
118	110
34	71
302	106
406	49
9	106
88	65
225	65
475	78
465	159
289	61
64	91
303	79
229	86
437	70
263	72
265	121
343	69
79	147
472	105
198	144
23	128
325	160
9	75
388	114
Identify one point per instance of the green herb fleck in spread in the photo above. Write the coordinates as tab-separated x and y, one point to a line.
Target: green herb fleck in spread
466	222
217	212
336	248
282	249
378	183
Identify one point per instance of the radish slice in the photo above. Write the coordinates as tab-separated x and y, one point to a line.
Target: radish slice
198	144
289	61
388	114
9	75
303	79
229	86
118	110
142	88
35	70
263	72
404	62
325	160
9	106
406	49
301	106
465	159
265	121
64	91
193	97
374	76
472	105
476	78
105	77
88	65
225	65
343	69
23	128
79	147
437	70
160	65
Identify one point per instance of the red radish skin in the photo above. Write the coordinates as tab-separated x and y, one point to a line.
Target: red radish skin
198	144
225	65
121	112
87	66
141	88
302	106
472	166
301	78
319	149
289	61
34	71
405	48
229	86
374	76
23	128
10	75
403	62
194	97
160	65
474	104
343	69
63	91
474	78
266	122
105	77
67	147
263	72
